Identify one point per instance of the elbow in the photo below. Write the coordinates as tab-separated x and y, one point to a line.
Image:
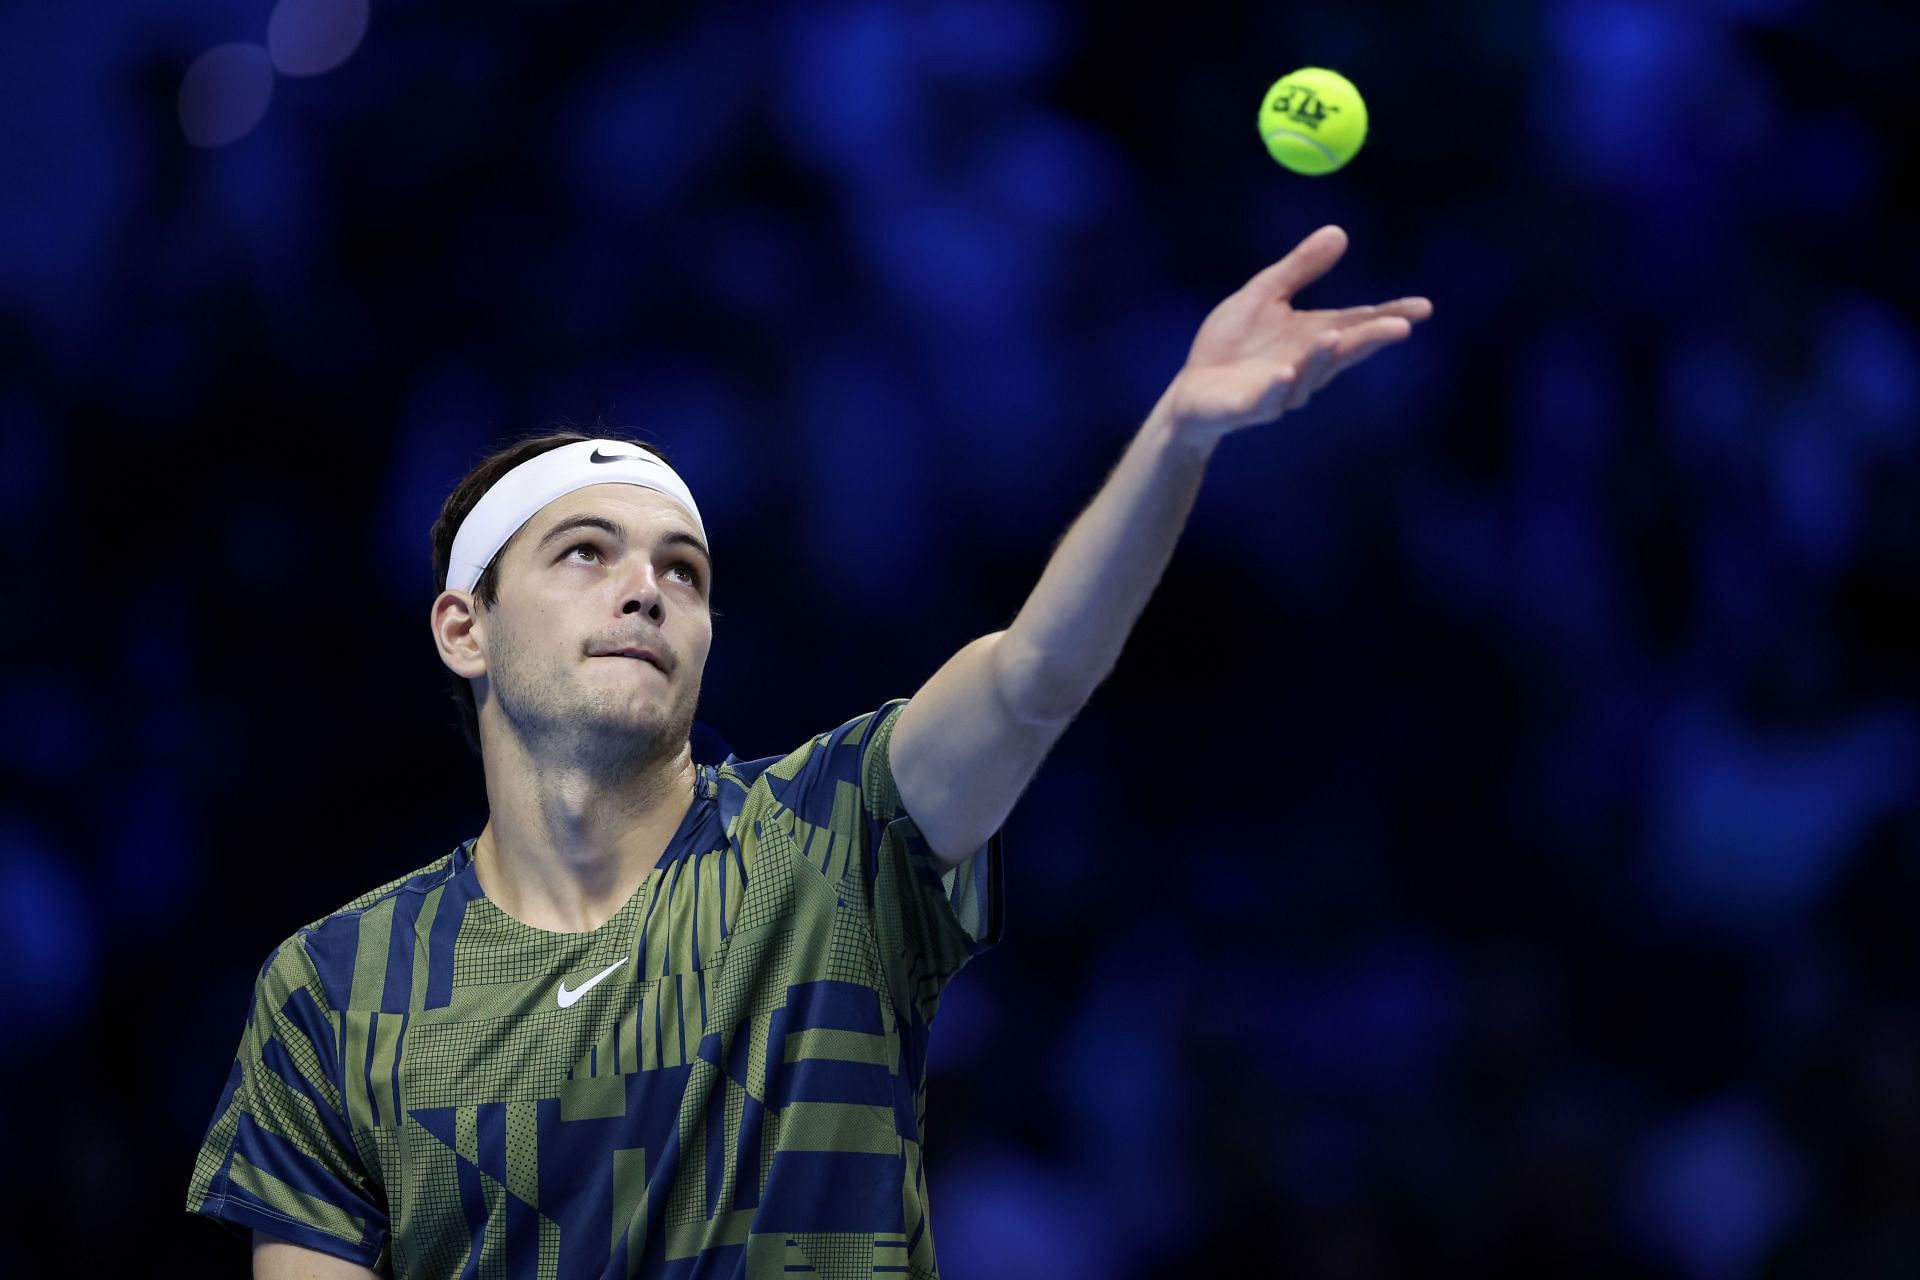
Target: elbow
1034	691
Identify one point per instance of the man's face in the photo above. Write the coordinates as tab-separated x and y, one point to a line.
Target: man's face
572	596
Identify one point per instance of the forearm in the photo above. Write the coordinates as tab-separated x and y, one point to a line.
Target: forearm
1069	633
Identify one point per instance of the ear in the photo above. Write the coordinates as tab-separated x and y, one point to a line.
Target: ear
459	633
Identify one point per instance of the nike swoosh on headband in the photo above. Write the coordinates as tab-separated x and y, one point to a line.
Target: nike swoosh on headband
514	498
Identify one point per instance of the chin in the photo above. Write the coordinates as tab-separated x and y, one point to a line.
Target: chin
651	719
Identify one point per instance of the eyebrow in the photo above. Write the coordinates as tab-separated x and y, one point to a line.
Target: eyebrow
675	538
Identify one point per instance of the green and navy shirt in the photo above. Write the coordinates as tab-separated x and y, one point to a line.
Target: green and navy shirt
728	1078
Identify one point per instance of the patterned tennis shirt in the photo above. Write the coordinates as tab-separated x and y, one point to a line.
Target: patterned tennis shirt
727	1078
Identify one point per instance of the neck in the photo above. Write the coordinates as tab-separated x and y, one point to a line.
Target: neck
564	849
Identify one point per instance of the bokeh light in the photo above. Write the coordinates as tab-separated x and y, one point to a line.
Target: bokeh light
48	958
1496	850
225	93
308	37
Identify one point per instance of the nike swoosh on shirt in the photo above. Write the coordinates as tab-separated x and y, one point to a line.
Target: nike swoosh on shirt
568	997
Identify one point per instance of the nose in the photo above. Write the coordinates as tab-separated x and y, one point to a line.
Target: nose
643	594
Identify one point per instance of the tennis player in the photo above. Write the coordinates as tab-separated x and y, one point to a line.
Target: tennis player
661	1018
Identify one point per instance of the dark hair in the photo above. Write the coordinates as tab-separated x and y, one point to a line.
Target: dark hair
465	496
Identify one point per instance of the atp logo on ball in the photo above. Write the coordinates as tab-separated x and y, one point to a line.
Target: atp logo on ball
1299	103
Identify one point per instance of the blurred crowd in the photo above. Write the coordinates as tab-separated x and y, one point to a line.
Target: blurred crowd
1495	851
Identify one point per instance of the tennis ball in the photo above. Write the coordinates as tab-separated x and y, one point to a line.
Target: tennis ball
1313	120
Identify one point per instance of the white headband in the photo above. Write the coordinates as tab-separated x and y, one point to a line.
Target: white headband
516	496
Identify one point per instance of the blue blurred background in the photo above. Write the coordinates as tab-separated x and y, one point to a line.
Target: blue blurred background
1496	850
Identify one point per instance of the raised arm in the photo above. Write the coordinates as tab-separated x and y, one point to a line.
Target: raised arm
973	736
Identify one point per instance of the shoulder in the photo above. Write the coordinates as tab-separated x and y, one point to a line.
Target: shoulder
418	881
840	754
838	751
330	944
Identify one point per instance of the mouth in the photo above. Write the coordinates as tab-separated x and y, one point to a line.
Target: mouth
640	655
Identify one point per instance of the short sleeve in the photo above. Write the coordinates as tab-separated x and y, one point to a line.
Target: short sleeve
943	917
279	1156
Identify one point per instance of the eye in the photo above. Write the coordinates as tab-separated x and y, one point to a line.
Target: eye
587	546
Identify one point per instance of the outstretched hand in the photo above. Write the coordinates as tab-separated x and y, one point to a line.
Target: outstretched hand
1257	356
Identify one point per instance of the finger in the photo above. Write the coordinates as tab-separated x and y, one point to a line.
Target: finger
1314	372
1372	333
1363	351
1309	260
1413	310
1327	367
1352	345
